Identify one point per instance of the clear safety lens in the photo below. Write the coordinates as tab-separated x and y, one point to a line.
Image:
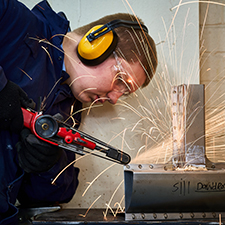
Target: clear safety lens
122	82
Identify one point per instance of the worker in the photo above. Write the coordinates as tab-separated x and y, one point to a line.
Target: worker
41	57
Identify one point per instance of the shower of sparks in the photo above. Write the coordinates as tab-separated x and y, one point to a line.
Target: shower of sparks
158	123
45	49
90	207
45	41
46	97
123	139
87	89
83	76
26	74
71	113
119	206
54	86
71	163
82	110
118	118
199	1
63	35
60	50
108	205
95	101
96	179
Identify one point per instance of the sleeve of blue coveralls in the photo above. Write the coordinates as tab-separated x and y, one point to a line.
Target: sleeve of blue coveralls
3	79
39	189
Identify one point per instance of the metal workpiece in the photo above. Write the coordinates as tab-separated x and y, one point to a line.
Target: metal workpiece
157	190
188	186
178	217
188	125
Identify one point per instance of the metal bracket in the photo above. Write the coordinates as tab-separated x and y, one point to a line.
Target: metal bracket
188	126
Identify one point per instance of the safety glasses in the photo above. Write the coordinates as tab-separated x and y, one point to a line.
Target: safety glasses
122	82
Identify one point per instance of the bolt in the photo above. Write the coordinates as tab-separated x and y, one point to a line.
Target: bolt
181	215
154	215
139	166
133	217
203	215
127	166
143	216
165	215
192	215
151	166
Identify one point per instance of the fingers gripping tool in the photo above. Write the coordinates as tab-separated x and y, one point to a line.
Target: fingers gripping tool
54	131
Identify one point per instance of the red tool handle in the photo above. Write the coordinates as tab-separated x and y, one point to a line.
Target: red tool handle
28	119
69	137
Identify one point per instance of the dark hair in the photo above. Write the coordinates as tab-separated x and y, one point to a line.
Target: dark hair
133	44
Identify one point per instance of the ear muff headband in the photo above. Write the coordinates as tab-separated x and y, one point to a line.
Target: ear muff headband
96	51
100	41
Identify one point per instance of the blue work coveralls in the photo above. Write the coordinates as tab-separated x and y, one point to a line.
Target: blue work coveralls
31	56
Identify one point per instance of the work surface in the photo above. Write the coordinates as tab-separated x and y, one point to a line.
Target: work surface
95	216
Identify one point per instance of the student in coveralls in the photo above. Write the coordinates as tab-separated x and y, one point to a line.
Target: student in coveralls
37	59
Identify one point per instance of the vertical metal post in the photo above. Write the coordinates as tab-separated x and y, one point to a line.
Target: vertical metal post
188	118
178	97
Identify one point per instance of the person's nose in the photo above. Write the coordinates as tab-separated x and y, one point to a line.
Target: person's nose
114	96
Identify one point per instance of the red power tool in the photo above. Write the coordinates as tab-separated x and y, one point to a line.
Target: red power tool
56	132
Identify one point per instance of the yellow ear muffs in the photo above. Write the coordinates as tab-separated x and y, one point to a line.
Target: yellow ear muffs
99	42
96	51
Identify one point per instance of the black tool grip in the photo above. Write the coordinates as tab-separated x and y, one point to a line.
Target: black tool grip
118	155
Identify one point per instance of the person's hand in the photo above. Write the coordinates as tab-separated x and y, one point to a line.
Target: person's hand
35	155
12	97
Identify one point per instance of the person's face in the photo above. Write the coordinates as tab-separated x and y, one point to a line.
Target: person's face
107	81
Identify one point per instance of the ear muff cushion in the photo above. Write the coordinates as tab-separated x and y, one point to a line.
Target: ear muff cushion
95	52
